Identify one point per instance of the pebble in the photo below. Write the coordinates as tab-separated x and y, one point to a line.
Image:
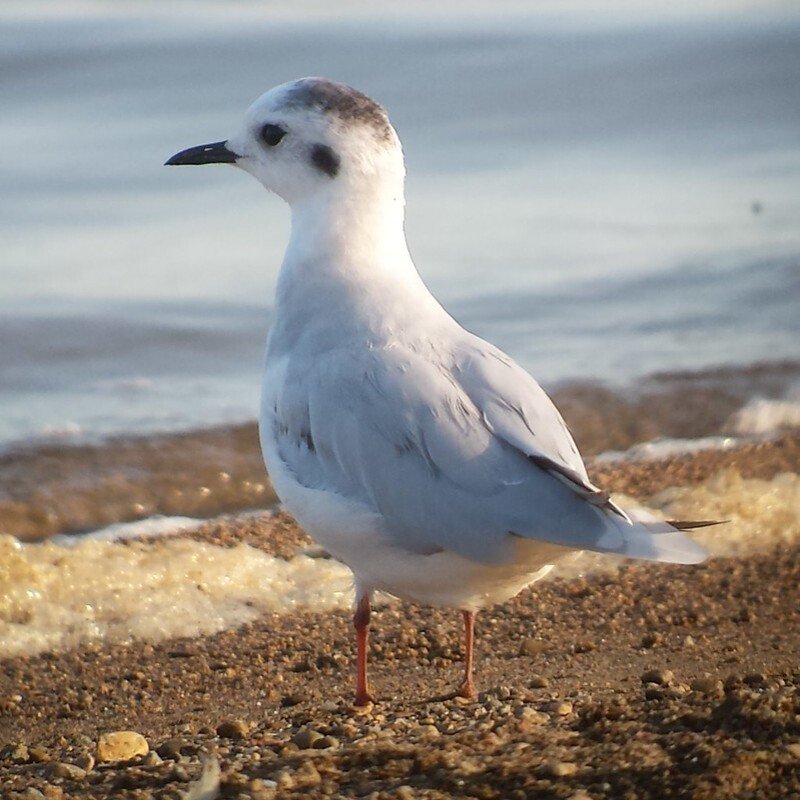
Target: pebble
171	748
794	749
38	754
121	746
538	682
306	738
707	685
60	769
663	677
652	639
327	741
235	729
531	647
152	759
85	761
560	708
559	769
289	700
17	753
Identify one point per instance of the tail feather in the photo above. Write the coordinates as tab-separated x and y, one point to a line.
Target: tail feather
653	539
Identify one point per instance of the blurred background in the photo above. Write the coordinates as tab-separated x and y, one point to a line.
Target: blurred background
604	189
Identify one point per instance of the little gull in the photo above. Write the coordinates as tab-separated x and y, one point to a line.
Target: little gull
418	454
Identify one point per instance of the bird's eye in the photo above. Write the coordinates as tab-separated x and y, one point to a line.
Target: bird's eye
272	134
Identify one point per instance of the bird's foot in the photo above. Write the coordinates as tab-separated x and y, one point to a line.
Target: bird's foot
466	690
363	698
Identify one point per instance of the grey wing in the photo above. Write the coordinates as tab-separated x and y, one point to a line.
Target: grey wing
438	448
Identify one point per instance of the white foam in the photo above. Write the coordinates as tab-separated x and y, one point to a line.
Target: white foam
140	529
761	416
659	449
100	588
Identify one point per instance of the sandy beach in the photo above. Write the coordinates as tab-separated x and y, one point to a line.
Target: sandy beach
645	681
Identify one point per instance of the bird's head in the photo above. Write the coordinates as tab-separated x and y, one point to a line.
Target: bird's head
310	136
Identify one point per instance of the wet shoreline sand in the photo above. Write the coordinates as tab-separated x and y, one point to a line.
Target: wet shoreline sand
653	681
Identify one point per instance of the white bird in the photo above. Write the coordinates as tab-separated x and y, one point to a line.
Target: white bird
415	452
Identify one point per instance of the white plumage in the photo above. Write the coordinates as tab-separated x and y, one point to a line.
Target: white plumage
422	456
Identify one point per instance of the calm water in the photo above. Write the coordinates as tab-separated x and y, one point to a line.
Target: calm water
602	200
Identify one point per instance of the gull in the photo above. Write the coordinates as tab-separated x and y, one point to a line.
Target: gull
415	452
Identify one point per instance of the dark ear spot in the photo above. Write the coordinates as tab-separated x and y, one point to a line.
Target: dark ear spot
323	158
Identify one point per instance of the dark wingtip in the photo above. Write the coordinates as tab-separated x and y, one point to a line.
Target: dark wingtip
688	525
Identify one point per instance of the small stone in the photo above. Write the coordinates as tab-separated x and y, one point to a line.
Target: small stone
38	754
306	738
85	761
289	700
794	749
652	639
31	794
559	769
325	742
52	792
707	685
235	729
60	769
121	746
560	708
531	647
756	679
285	780
538	682
404	792
530	717
152	759
179	774
18	753
653	693
171	748
732	682
663	677
688	641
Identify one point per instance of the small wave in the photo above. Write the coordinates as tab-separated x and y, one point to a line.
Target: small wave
151	527
55	597
659	449
763	415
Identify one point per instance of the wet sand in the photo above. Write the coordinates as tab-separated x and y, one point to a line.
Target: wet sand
653	681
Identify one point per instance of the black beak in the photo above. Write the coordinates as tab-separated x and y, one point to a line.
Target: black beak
214	153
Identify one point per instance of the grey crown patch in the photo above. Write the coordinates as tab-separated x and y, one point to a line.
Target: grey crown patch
346	103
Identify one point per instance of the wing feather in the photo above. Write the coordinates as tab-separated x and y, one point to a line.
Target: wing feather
453	451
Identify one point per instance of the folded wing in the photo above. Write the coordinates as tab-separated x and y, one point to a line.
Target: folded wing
456	449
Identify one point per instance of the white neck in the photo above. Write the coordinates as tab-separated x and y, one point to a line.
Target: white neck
347	268
349	230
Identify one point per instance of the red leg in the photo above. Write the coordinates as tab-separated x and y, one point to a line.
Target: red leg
467	688
361	621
